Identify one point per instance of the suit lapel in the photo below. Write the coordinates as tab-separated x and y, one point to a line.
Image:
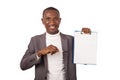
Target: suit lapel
64	41
43	45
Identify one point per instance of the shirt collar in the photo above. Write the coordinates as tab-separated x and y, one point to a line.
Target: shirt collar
53	35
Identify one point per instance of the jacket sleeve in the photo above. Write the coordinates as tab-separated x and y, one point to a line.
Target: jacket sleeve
29	59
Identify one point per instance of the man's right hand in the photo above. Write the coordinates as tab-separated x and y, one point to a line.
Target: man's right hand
48	50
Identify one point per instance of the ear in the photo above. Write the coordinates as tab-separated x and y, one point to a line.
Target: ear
42	20
60	19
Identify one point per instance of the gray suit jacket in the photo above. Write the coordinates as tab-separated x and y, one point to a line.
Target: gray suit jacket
41	67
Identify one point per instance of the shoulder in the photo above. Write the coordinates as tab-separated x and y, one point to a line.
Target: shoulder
37	37
67	36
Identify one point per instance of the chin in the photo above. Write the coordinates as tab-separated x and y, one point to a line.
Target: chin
53	32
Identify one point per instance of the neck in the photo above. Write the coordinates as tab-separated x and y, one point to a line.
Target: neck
53	35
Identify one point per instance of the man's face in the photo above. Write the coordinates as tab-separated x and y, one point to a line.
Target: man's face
51	19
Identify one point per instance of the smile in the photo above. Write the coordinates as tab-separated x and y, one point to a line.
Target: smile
52	27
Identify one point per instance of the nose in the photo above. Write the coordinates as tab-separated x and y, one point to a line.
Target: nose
52	22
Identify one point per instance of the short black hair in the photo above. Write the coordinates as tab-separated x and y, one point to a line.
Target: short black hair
51	8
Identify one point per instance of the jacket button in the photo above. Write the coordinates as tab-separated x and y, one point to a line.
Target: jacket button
45	77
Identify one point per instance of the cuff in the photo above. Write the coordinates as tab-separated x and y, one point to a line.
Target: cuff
37	57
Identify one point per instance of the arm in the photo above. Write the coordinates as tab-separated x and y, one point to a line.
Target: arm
29	59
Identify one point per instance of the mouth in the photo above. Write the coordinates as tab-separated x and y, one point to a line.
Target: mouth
52	27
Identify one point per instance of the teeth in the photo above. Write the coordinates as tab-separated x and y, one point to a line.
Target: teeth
52	27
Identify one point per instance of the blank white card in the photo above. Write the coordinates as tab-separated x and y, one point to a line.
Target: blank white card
85	48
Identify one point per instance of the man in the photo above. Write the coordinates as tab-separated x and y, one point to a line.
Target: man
51	52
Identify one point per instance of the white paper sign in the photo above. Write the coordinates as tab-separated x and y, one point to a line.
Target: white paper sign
85	48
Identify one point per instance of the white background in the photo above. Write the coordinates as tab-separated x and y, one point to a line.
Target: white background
21	19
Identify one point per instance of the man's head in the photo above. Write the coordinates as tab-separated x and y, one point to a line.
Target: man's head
51	19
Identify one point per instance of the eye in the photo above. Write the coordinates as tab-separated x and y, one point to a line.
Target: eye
48	18
56	18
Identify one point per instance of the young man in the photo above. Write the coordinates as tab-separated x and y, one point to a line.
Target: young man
51	52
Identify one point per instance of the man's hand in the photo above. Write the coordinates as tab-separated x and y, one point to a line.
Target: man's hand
86	30
48	50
